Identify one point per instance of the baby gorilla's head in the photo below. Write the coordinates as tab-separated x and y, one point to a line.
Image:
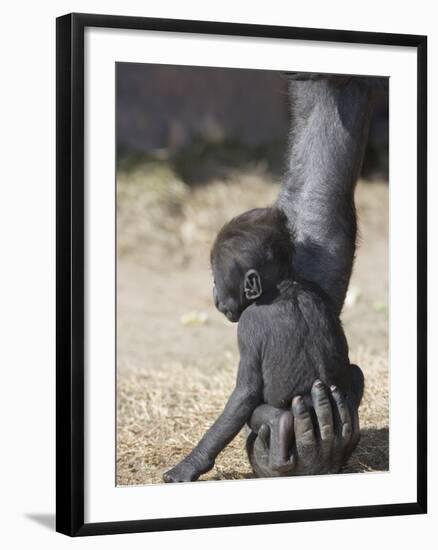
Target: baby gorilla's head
251	255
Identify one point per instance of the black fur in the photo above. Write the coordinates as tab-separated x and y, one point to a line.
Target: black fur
288	337
291	334
329	129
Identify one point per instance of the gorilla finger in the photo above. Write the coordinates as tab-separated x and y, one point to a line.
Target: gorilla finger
358	382
355	437
284	468
281	440
264	435
323	410
303	426
344	413
353	407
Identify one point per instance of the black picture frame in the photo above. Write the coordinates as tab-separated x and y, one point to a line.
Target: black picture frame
70	272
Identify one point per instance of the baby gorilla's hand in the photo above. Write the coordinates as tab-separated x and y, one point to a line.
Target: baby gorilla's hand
189	469
184	471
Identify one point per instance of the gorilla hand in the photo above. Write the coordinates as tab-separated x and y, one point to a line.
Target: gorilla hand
316	446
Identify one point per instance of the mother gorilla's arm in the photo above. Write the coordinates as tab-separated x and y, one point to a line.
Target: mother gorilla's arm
329	130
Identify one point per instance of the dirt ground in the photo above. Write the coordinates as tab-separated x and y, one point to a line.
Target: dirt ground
177	356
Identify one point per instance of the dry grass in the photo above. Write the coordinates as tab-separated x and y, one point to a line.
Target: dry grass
175	377
162	414
157	212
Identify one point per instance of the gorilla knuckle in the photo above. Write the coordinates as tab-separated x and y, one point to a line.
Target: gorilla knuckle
326	432
347	431
307	437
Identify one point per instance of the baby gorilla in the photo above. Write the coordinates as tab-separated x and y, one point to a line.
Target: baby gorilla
288	336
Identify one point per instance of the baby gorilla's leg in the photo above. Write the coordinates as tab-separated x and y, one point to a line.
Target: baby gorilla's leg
269	443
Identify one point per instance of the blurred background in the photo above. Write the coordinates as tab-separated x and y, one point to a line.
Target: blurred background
195	147
207	121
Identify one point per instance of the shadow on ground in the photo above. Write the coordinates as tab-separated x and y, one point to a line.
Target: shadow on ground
372	452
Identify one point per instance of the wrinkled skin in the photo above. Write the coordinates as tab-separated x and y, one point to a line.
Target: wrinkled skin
322	433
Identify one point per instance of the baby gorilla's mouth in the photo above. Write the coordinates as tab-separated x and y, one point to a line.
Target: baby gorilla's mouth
231	316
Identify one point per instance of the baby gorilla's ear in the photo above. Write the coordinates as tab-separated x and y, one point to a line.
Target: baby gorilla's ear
252	285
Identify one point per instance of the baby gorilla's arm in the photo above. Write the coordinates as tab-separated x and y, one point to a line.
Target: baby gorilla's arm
246	396
237	411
